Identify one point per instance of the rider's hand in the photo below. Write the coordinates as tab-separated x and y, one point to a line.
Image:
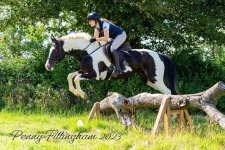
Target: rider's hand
92	40
109	40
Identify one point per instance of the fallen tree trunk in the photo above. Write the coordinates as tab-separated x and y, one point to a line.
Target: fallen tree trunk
124	107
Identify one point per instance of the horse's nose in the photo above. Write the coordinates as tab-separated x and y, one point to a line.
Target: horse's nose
47	66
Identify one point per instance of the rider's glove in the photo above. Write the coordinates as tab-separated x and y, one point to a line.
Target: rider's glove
92	40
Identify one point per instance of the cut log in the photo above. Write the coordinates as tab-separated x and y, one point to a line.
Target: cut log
206	101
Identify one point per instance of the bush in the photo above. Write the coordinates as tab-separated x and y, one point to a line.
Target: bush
25	84
49	99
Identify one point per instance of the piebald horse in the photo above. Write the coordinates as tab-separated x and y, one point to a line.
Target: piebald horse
154	68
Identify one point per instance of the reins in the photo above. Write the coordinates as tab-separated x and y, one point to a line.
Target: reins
95	49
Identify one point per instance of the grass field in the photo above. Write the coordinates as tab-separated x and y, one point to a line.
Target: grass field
205	135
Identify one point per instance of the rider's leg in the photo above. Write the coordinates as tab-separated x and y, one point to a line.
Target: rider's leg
118	41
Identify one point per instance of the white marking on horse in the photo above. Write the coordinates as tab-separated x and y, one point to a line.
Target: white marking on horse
79	91
127	67
103	75
70	82
160	86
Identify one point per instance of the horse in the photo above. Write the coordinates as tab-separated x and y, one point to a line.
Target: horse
155	69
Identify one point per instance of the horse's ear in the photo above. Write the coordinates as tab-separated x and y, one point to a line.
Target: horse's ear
53	39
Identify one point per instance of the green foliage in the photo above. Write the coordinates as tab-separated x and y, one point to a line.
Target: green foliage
192	32
199	18
50	99
26	86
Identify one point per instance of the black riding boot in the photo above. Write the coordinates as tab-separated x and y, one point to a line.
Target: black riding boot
118	69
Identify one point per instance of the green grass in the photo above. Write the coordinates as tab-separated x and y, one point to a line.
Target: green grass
205	135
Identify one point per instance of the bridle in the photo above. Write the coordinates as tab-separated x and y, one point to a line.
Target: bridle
56	61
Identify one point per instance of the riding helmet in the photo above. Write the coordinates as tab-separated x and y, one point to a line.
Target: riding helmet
93	16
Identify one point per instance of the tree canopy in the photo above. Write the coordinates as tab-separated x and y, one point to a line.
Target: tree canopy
177	22
192	32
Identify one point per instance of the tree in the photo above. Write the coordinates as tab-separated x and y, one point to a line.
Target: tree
176	22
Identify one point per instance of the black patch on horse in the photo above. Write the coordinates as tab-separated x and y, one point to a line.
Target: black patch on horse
148	66
78	54
86	66
102	67
86	63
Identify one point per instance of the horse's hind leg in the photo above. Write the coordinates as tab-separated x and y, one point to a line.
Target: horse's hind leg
143	77
160	86
156	81
155	77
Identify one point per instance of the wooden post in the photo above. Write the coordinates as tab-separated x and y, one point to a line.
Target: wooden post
167	118
188	119
180	117
164	116
183	118
161	114
95	110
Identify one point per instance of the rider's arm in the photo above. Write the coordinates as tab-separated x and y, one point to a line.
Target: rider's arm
106	36
106	32
96	33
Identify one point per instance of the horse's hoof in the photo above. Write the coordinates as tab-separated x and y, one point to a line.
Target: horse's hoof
86	97
117	73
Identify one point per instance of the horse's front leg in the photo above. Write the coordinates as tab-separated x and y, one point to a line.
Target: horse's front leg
83	76
70	78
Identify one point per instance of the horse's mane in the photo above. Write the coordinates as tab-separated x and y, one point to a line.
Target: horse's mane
78	35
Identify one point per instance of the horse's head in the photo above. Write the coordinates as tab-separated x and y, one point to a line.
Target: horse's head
79	42
56	53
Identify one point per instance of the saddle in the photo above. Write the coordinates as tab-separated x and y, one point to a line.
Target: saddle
123	48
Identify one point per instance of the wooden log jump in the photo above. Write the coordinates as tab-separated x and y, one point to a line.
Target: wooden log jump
169	104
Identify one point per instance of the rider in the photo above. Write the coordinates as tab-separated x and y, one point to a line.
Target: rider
110	31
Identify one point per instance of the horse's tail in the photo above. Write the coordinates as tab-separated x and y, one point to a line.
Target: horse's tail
170	73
